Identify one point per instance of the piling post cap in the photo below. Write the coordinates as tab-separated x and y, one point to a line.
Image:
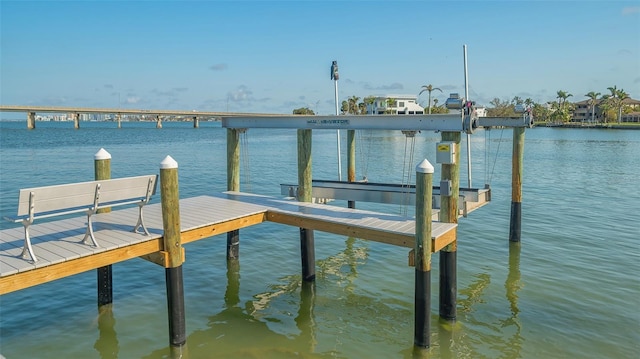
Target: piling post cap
424	167
102	154
168	163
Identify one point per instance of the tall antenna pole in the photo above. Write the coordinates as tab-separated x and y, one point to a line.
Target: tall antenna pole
466	96
334	77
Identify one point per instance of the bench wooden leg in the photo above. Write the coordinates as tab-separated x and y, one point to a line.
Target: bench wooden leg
27	246
89	233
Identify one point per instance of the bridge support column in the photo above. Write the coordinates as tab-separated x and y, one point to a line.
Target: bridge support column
449	214
233	184
76	121
351	160
173	252
31	120
422	259
102	166
517	165
307	246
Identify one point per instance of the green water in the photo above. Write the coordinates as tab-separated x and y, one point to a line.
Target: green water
571	290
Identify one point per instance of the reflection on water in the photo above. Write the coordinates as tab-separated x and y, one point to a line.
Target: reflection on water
107	343
242	330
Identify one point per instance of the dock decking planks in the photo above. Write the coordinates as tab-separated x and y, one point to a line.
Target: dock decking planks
60	251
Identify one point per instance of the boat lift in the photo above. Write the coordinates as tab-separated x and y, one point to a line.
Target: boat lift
323	191
463	120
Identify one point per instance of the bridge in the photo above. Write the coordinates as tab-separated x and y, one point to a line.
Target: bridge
118	112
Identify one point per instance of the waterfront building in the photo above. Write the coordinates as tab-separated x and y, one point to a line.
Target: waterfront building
402	105
582	111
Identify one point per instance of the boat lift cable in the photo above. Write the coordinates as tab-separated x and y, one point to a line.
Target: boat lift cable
495	159
407	168
365	154
244	159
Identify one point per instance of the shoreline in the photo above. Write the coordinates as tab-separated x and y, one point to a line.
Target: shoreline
616	126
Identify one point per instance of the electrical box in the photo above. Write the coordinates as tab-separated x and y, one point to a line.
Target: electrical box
445	153
445	188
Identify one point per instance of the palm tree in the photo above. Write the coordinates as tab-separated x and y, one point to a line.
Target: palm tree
391	102
429	88
593	98
353	105
622	96
562	97
368	102
529	102
616	100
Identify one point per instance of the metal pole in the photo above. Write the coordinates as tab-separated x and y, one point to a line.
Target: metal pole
338	133
466	96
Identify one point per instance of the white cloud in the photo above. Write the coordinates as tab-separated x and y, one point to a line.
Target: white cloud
629	10
242	93
393	86
132	100
218	67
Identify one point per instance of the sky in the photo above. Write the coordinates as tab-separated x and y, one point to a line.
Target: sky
275	56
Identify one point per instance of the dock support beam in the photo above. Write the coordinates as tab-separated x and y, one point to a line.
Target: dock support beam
351	160
31	120
307	246
517	161
449	214
233	184
102	166
422	260
172	250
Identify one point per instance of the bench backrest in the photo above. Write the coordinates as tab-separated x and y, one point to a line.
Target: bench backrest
79	196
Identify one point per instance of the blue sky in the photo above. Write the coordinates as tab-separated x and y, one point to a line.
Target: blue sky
274	56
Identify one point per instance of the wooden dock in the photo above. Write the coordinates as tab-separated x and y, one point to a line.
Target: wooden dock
61	253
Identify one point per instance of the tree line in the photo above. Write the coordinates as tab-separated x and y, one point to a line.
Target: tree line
561	111
611	106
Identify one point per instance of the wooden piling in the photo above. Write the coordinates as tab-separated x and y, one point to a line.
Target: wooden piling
158	121
517	161
233	184
307	246
102	169
172	245
196	122
449	214
422	250
76	121
31	120
119	119
351	160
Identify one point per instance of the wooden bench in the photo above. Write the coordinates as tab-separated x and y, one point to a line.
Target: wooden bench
88	197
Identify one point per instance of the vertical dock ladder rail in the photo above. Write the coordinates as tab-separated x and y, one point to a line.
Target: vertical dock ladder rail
87	197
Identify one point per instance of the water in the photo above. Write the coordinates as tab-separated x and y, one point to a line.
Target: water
570	291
